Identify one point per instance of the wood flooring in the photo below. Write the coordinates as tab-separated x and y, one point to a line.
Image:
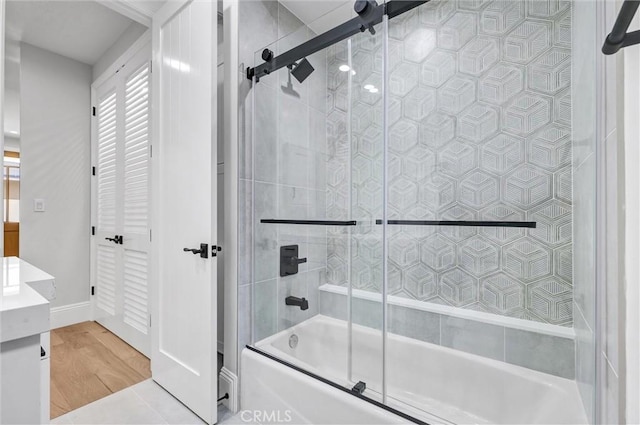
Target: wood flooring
88	363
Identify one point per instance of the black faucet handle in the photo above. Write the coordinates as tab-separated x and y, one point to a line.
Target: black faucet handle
289	260
296	260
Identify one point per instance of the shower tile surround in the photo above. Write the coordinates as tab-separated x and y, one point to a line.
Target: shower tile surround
479	129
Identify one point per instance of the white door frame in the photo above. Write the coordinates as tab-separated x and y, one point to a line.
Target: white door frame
229	382
229	373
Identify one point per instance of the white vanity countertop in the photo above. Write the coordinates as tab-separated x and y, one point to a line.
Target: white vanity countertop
24	310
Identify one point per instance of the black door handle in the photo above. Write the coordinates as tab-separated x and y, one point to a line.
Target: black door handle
203	251
117	239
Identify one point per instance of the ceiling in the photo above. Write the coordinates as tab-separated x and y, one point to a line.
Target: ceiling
320	15
80	30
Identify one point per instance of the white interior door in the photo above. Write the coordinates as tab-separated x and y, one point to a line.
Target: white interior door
122	187
106	263
183	356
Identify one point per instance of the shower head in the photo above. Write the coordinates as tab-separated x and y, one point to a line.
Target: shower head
302	70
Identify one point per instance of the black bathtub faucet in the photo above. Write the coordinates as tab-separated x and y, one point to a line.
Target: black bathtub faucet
300	302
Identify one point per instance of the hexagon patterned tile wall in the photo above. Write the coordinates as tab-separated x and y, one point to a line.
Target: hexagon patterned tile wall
479	129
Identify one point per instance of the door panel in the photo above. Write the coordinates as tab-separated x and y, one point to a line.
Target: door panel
122	202
11	239
184	341
107	257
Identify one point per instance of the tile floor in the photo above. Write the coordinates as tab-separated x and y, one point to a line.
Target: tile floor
144	403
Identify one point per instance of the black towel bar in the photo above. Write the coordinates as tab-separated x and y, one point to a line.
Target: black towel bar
310	222
525	224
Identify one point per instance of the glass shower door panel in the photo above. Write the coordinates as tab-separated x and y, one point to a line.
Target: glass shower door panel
299	187
415	192
488	178
366	164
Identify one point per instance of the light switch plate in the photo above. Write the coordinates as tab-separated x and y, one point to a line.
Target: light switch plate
38	205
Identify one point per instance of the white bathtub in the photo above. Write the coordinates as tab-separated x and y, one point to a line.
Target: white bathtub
432	383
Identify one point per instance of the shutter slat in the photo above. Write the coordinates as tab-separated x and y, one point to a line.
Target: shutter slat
106	166
136	295
106	278
136	145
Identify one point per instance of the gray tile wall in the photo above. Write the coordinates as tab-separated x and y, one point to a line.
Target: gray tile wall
545	353
480	129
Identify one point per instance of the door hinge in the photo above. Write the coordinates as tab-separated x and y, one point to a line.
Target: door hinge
150	151
150	67
149	235
93	111
93	230
149	320
93	290
93	171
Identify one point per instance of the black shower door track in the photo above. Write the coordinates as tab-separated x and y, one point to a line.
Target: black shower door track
337	386
366	21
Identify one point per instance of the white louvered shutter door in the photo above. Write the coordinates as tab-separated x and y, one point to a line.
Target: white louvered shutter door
106	262
122	201
136	230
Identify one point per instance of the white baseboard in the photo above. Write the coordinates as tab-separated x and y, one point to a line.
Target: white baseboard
70	314
228	383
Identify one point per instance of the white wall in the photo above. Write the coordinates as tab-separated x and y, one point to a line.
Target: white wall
11	87
128	37
55	166
11	144
11	111
12	96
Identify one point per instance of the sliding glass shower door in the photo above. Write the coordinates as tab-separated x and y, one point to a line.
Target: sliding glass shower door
365	115
317	207
412	211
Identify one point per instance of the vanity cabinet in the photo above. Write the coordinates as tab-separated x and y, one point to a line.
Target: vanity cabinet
24	342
